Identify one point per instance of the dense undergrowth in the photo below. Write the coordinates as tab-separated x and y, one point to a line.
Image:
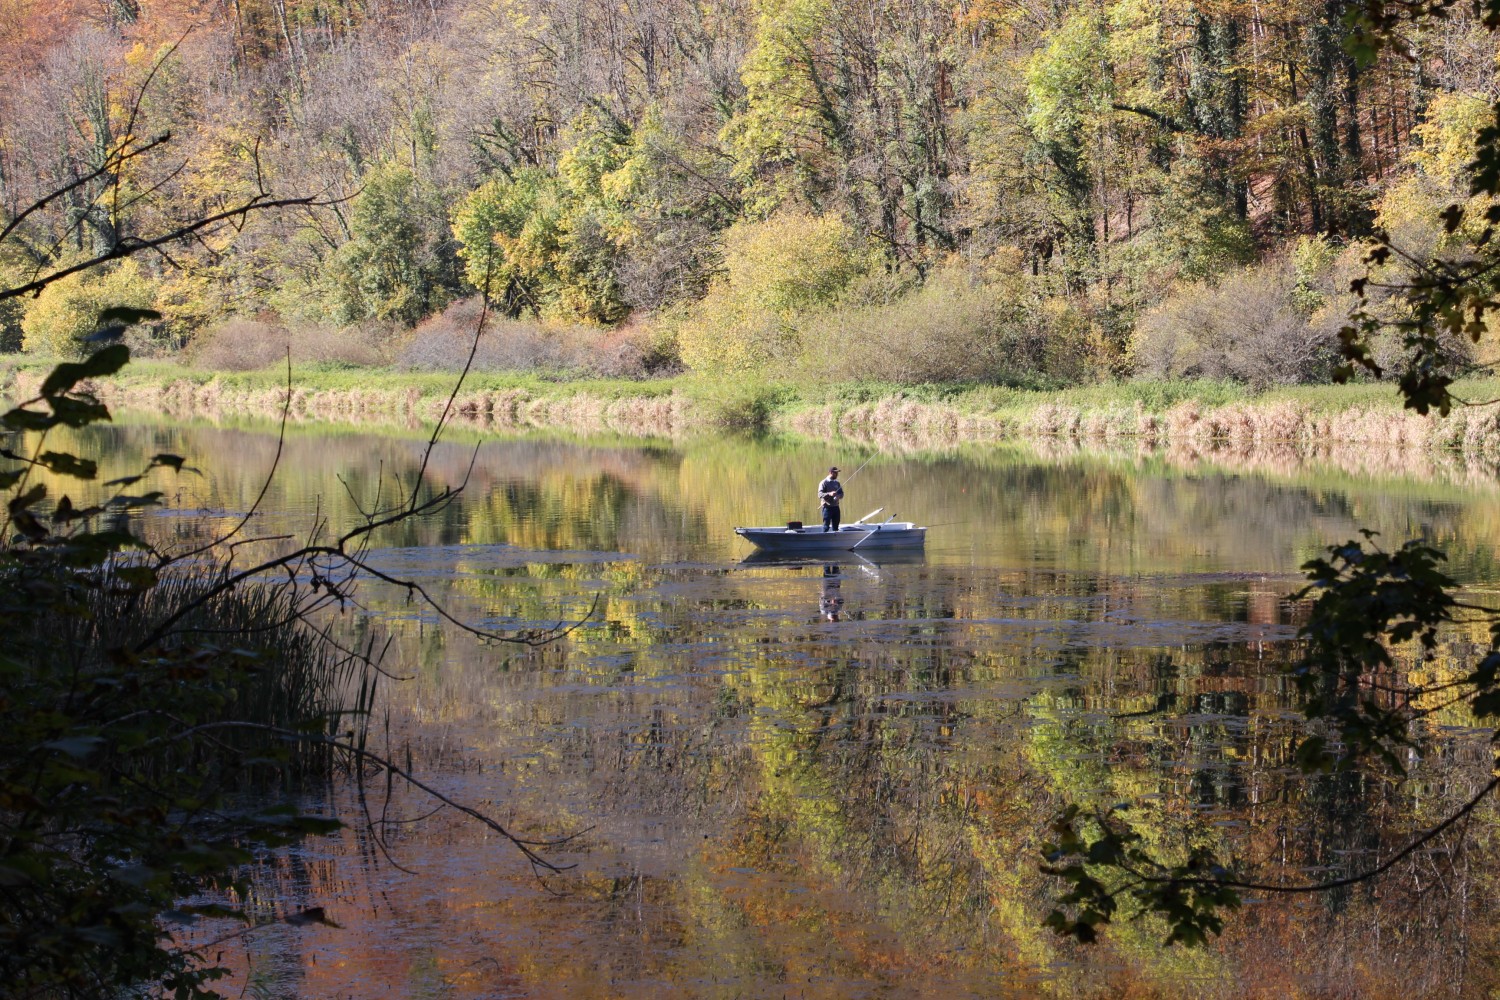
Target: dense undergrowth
133	769
172	706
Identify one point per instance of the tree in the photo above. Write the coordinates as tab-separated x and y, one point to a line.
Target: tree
774	272
67	311
847	108
551	242
396	265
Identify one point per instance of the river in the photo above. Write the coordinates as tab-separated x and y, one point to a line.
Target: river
834	779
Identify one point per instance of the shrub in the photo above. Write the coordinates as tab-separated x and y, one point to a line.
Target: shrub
67	310
443	343
776	274
1247	327
738	403
951	329
247	344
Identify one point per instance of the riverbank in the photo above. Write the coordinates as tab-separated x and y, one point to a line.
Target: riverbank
1153	414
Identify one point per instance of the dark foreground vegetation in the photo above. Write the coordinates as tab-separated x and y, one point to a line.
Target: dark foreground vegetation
147	712
170	710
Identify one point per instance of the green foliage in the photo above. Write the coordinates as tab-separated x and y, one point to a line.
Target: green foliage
66	312
787	106
1312	258
494	224
1368	601
392	268
549	242
1103	862
1067	113
1067	93
1195	229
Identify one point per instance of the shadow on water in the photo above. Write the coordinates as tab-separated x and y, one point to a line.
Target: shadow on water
832	777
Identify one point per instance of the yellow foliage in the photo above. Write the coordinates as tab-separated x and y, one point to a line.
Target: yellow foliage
775	272
780	126
1446	137
68	310
1445	147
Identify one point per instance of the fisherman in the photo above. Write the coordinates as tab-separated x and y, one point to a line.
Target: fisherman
830	492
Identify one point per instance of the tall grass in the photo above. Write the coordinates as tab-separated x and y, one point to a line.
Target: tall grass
140	763
244	655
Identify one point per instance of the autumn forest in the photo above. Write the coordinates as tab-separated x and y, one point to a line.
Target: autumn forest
1028	193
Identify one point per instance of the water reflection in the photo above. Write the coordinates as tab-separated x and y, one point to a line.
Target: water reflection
831	778
831	601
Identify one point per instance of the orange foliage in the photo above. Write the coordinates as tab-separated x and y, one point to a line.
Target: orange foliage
28	30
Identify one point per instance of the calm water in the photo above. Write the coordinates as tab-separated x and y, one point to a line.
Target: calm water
833	780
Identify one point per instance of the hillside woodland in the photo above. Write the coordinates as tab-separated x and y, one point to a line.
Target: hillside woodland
1010	191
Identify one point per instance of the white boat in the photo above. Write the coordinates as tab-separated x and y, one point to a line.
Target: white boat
794	538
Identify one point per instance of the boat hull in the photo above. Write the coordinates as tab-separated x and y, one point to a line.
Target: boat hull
810	541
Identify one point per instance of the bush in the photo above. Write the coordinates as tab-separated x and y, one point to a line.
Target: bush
776	274
951	329
67	310
443	343
398	264
1248	328
739	403
247	345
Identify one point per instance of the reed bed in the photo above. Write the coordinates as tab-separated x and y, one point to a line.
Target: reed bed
645	415
878	416
244	655
903	424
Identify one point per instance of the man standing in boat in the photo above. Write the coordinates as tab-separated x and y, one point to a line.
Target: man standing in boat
830	492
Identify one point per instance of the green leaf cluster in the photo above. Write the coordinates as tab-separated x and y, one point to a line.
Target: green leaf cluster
1100	858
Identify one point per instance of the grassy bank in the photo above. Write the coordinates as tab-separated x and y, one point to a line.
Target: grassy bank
881	415
1151	413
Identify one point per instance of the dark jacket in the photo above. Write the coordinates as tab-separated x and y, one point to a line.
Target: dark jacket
833	486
